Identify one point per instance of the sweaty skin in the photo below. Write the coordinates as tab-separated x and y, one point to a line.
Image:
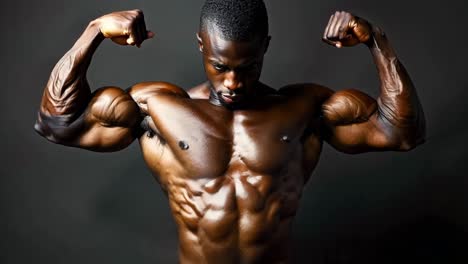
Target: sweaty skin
232	154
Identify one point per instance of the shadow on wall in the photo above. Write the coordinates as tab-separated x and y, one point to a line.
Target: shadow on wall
426	239
433	230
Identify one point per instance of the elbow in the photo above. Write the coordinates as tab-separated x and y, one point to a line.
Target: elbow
406	133
413	138
44	131
407	145
53	129
39	128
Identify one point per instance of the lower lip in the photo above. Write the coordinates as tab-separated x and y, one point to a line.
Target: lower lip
230	99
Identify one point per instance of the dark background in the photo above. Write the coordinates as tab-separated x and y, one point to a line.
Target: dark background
65	205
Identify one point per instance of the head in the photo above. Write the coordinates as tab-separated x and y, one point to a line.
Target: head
233	38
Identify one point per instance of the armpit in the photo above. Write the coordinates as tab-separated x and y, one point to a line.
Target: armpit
149	127
347	107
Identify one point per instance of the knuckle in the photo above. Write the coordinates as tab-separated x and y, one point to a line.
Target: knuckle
128	26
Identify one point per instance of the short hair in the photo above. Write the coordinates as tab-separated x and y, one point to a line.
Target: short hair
236	19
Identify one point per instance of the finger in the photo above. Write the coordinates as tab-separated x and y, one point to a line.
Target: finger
143	30
348	19
352	23
150	34
127	35
338	25
332	26
140	29
344	27
329	42
138	35
120	40
126	32
131	40
142	26
327	28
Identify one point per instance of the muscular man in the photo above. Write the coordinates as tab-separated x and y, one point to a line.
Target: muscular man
232	154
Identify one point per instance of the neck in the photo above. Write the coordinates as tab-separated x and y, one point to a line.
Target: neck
259	90
214	98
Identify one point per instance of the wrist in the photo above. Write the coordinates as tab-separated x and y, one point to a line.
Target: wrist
379	44
375	34
90	38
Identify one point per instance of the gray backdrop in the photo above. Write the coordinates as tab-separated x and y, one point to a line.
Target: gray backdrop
65	205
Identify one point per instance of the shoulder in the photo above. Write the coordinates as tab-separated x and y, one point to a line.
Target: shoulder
310	92
145	89
141	93
338	108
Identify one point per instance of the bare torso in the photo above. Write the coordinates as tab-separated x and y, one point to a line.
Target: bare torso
233	177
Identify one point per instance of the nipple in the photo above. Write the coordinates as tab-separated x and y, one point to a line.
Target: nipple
183	145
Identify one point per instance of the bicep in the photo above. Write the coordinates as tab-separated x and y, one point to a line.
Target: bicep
352	123
109	123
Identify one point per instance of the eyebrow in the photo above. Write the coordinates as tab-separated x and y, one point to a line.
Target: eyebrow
245	64
215	60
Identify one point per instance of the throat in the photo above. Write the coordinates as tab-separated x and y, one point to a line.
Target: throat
214	98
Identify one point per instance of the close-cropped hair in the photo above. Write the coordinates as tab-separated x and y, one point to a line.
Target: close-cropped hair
235	19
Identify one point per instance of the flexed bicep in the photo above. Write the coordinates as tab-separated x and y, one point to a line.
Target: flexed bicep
351	123
70	114
109	123
358	123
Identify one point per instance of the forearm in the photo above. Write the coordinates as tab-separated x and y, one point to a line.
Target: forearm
67	92
399	111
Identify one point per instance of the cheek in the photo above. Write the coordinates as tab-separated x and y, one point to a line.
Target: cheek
214	78
210	73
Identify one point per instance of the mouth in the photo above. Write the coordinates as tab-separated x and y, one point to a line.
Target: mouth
231	98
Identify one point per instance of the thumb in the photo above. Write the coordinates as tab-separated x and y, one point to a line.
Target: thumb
150	34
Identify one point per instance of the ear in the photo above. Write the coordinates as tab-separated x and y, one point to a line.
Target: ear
267	43
200	42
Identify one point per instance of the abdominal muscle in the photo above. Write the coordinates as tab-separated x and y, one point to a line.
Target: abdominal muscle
239	217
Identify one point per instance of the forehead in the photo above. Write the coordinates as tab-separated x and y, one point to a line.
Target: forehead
218	47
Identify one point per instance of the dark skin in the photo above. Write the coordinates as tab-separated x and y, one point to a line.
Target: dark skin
232	154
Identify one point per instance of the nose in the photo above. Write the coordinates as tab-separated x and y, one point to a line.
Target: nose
232	81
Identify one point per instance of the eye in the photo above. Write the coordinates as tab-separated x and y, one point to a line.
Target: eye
219	67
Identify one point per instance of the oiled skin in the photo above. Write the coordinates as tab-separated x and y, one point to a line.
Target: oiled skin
233	175
234	191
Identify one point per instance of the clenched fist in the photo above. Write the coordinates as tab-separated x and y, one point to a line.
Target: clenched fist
124	27
346	30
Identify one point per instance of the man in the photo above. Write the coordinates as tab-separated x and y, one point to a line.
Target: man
232	154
